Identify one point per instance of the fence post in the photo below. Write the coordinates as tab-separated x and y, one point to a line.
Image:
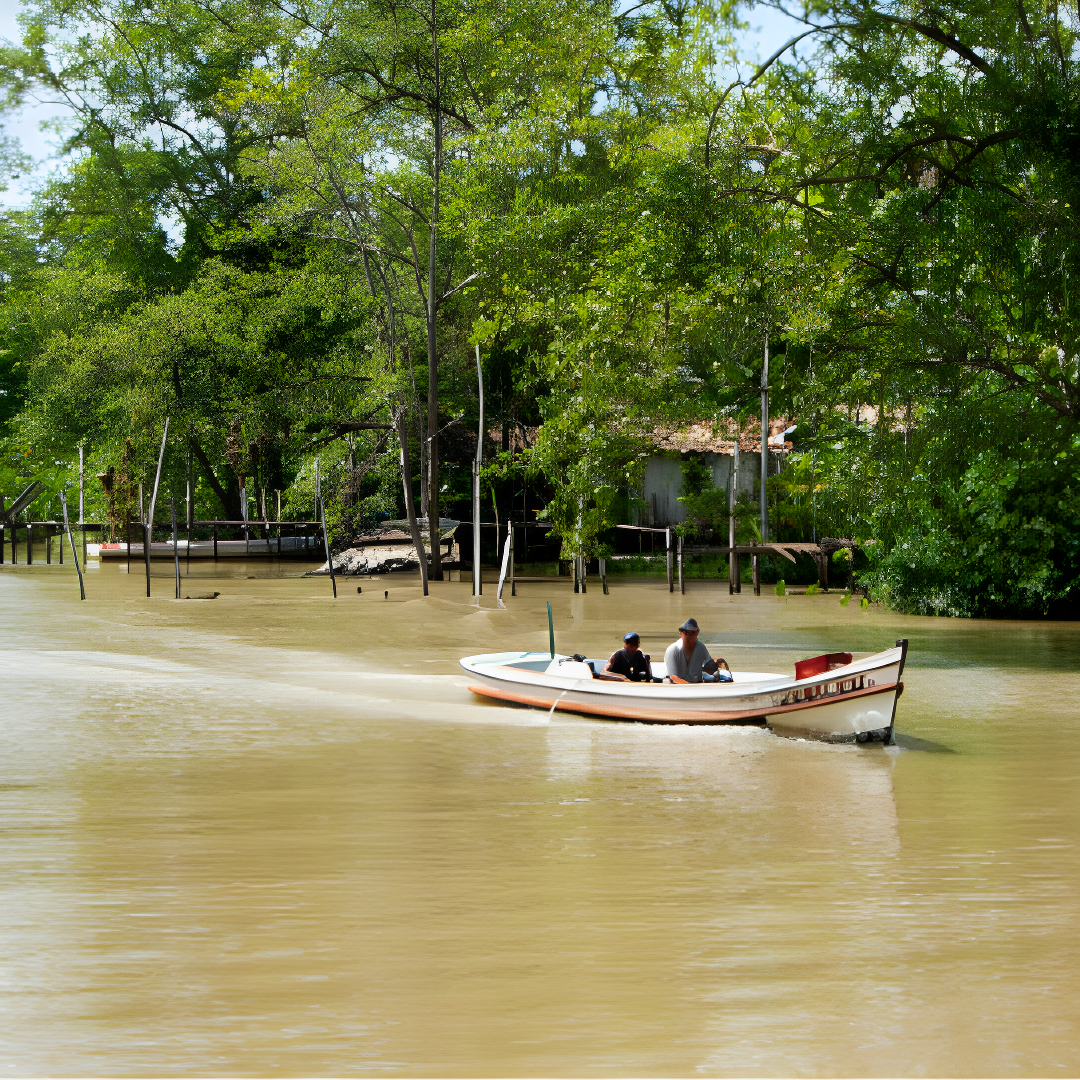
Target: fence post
682	578
670	576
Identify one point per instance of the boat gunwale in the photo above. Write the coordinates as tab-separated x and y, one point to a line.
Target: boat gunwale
500	671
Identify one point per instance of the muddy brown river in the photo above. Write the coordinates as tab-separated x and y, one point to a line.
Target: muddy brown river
274	834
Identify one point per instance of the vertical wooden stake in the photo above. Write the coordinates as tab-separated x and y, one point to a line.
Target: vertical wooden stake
410	503
757	575
148	526
513	584
670	574
74	553
175	549
682	579
326	541
603	575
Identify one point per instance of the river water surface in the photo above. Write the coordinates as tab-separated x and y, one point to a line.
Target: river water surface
274	834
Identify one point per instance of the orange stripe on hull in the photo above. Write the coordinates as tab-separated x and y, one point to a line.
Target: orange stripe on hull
669	716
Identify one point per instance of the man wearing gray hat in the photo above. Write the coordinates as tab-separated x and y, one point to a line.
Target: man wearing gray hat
688	661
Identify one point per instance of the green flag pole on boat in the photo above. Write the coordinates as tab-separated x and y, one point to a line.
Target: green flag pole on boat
551	632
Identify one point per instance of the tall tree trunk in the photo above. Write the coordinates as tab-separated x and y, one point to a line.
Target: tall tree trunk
432	343
230	506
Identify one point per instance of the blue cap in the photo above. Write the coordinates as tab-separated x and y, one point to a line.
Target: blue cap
632	636
690	624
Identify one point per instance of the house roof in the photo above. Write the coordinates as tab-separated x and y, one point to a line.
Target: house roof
720	435
717	436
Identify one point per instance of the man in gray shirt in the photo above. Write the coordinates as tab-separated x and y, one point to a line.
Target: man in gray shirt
688	661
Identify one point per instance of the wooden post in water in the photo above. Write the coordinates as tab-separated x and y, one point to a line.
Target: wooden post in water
215	541
74	553
757	574
29	540
513	584
603	575
682	579
477	575
670	576
190	505
326	541
148	528
410	503
734	567
764	444
175	548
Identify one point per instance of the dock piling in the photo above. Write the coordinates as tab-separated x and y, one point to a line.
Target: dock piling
326	541
71	540
175	549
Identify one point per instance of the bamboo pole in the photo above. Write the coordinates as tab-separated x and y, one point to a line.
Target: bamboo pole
410	503
764	444
148	525
733	559
175	548
74	553
478	582
513	583
326	541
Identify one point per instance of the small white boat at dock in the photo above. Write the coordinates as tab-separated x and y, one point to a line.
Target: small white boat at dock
832	697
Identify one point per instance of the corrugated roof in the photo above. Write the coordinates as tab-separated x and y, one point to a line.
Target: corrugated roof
719	436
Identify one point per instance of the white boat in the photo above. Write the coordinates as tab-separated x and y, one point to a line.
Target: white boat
831	697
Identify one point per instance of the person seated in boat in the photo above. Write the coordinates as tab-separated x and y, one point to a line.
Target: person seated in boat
688	661
629	663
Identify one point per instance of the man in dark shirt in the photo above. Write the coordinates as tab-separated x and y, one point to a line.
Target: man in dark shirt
629	662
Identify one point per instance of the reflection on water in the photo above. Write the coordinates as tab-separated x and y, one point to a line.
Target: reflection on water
275	834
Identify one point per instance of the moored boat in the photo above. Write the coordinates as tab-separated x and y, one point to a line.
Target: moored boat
832	697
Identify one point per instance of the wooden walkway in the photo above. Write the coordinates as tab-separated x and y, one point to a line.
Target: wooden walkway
676	552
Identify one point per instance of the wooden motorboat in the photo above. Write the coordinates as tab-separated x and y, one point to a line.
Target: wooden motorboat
832	697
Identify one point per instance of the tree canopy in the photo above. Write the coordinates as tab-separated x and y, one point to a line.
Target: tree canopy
287	225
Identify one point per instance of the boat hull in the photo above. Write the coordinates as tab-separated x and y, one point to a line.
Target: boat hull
852	702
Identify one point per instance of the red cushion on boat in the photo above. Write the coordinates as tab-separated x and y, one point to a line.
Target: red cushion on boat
804	669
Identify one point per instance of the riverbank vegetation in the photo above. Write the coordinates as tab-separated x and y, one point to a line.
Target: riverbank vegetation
286	227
